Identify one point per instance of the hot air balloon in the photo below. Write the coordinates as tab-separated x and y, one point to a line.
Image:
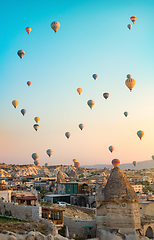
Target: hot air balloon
36	126
55	26
129	26
49	152
95	76
15	103
152	157
46	164
111	148
106	95
76	164
133	19
21	53
35	156
130	83
115	162
28	29
129	76
29	83
79	90
134	163
140	134
81	126
23	111
91	103
36	162
37	119
126	114
74	160
68	134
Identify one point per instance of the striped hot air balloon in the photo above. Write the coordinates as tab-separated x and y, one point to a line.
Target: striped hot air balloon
130	83
55	26
133	19
115	162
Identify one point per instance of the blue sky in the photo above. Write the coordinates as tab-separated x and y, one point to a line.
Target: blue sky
93	38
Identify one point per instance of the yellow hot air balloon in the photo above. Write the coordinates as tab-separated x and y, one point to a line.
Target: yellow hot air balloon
74	160
55	26
91	103
79	90
130	83
37	119
15	103
140	134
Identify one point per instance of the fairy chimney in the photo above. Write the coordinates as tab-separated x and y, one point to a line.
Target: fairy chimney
117	205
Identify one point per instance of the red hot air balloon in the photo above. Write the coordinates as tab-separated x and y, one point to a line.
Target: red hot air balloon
28	29
133	19
29	83
115	162
76	164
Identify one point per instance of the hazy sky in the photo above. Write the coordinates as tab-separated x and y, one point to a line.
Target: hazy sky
93	38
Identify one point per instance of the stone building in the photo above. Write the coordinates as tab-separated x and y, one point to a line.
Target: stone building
117	206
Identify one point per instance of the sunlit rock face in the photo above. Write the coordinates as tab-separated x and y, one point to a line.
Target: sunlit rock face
117	205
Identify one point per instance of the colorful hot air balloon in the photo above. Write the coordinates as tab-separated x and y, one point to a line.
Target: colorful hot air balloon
37	119
28	29
115	162
126	114
46	164
140	134
111	148
68	134
49	152
36	162
130	83
36	126
55	26
74	160
81	126
106	95
134	163
35	156
133	19
95	76
79	90
23	111
91	103
15	103
152	157
21	53
29	83
76	164
129	26
129	76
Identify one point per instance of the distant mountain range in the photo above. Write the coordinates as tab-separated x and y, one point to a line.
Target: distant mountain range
140	165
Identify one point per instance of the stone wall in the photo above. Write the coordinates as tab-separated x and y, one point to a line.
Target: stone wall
75	227
23	212
146	208
83	209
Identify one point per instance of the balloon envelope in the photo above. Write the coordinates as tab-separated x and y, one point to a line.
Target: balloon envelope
126	114
115	162
29	83
23	111
35	156
133	19
129	76
129	26
68	134
36	162
28	29
15	103
21	53
55	26
76	164
79	90
37	119
81	126
46	164
49	152
134	163
140	134
130	83
153	157
111	148
106	95
91	103
36	126
74	160
95	76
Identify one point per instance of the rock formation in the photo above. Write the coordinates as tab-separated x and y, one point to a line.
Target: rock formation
73	174
60	177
